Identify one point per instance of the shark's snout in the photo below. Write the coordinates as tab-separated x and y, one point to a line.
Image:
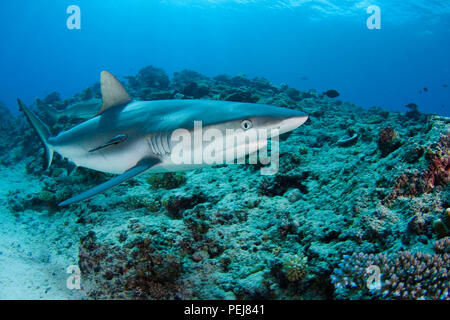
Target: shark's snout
293	122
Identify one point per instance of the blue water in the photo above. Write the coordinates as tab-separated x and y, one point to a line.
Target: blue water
325	42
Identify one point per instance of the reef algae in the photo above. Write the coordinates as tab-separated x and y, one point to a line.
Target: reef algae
309	232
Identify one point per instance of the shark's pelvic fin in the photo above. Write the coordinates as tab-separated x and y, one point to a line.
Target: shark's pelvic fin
52	112
113	93
42	131
140	167
116	140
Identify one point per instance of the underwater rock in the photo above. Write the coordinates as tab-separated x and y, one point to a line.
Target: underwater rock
240	80
188	76
294	195
150	77
5	115
281	183
10	147
138	202
388	141
262	84
414	112
197	221
241	96
191	84
413	153
177	203
417	225
441	226
194	90
135	270
294	94
52	98
167	180
161	95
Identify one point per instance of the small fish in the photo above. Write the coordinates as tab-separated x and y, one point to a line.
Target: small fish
425	89
445	85
331	93
304	78
79	110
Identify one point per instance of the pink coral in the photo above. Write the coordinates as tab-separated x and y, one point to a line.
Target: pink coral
436	175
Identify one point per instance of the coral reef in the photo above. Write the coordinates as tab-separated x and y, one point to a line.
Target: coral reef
137	270
436	175
346	183
295	267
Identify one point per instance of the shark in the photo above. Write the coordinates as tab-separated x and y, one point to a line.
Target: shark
79	110
128	137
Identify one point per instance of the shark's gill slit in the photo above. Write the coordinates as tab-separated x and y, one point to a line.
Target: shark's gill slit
155	147
159	143
150	144
166	142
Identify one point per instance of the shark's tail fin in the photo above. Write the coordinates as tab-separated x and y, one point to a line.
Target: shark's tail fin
52	112
41	130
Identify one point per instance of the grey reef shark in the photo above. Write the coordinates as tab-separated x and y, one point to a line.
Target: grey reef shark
129	137
79	110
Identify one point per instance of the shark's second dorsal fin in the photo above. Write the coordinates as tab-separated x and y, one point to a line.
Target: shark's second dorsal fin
113	92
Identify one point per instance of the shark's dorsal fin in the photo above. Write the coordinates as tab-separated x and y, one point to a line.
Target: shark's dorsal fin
113	92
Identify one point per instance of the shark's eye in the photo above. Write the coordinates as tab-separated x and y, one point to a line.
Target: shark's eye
246	124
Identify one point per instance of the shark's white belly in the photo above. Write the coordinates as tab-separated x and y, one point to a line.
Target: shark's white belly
119	158
113	159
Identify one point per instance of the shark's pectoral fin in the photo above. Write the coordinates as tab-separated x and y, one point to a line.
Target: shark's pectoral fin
113	92
140	167
116	140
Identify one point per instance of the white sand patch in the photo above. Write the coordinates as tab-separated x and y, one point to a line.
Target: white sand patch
31	266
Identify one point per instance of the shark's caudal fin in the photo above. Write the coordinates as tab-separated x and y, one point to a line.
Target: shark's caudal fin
42	131
142	166
113	93
52	112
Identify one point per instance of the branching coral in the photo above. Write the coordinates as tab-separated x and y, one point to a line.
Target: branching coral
443	245
404	275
